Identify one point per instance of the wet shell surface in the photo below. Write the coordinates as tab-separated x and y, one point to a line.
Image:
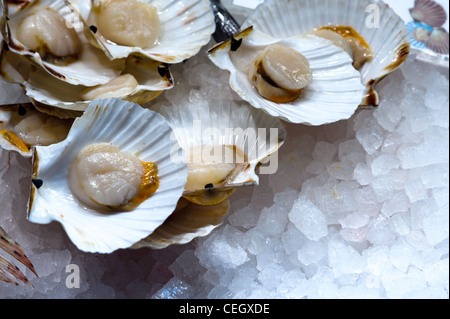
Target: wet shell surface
334	93
22	128
141	81
248	134
429	12
82	65
138	132
188	221
184	28
382	29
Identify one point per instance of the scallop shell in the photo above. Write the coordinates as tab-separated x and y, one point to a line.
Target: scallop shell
237	124
429	12
187	222
389	40
132	129
90	69
62	99
438	41
46	130
334	93
186	26
419	33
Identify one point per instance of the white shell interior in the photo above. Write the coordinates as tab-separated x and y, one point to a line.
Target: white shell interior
90	69
334	93
133	129
218	122
46	89
186	26
378	24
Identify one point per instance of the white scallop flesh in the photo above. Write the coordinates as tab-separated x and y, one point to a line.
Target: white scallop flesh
129	23
211	164
334	37
121	86
102	174
47	30
41	129
279	73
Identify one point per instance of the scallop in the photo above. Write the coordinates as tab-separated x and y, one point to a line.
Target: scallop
437	41
141	81
429	12
167	31
50	34
22	128
222	143
112	181
279	73
374	22
330	87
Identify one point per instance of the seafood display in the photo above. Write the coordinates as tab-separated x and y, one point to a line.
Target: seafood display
427	26
175	30
118	171
387	37
111	182
330	87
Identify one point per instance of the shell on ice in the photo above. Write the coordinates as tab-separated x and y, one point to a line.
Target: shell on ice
381	28
187	222
334	93
429	12
22	128
148	79
93	226
82	65
185	26
233	138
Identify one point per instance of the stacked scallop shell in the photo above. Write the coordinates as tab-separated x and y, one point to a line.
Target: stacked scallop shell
175	165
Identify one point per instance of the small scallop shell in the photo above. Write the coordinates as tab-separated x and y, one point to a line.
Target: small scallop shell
189	221
211	123
419	33
334	93
62	99
438	41
132	129
22	127
388	37
429	12
186	26
90	68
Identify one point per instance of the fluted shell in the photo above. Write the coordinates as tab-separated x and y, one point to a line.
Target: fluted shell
387	36
188	221
228	123
90	68
22	128
185	27
132	129
429	12
438	41
334	93
56	97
